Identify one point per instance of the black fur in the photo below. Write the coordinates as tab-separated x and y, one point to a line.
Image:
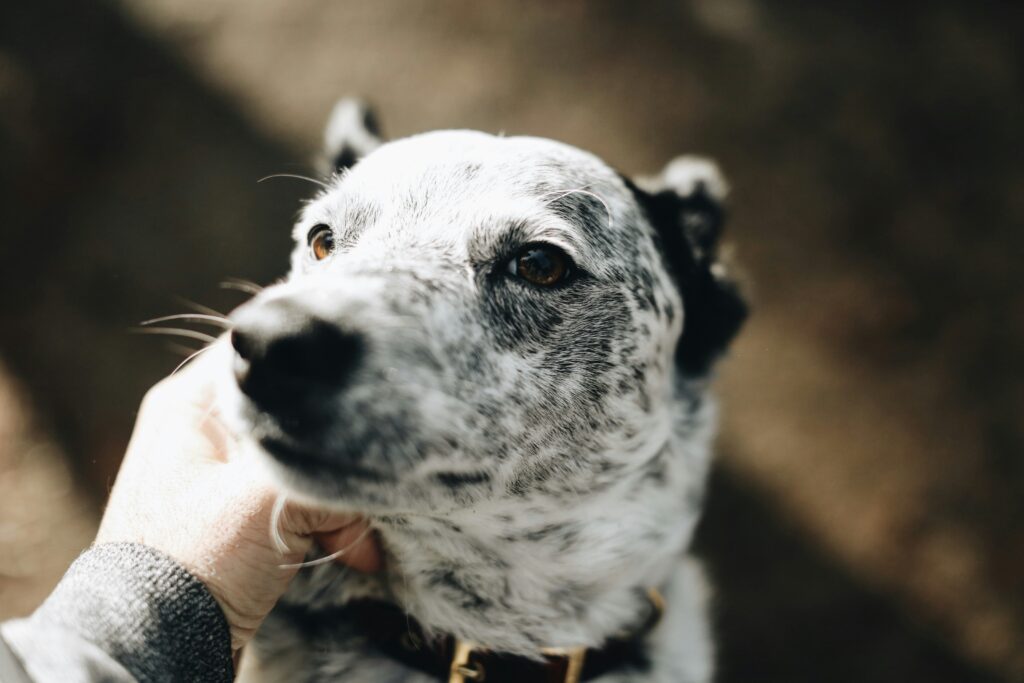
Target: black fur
688	231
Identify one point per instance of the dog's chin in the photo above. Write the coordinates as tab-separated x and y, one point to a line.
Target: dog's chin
316	465
302	468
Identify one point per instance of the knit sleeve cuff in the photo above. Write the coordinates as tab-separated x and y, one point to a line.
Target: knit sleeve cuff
146	611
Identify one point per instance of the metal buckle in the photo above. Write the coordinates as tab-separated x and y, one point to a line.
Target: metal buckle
574	657
658	605
463	671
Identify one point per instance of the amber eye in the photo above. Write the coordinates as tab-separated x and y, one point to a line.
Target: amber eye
321	241
541	264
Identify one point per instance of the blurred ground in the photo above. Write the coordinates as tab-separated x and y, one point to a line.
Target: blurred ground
866	521
44	520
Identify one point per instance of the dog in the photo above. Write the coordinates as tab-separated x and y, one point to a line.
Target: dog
498	350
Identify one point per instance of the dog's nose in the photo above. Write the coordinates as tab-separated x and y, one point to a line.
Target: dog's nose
288	359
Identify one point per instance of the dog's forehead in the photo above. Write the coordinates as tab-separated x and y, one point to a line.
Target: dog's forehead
522	164
456	181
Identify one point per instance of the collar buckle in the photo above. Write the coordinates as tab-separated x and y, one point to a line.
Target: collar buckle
462	670
469	660
465	670
574	657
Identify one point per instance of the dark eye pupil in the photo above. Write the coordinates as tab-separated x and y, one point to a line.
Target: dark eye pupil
542	266
537	261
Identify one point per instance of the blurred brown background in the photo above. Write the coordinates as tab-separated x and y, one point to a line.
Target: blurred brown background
865	520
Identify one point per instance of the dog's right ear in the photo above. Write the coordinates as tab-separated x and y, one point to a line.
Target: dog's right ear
684	206
352	132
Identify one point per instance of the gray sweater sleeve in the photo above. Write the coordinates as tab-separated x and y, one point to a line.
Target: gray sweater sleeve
123	612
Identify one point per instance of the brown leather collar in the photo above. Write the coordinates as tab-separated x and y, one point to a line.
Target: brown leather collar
390	631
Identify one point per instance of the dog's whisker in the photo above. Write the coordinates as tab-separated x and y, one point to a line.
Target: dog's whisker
181	349
329	558
582	190
190	357
217	320
241	286
243	281
276	517
564	193
177	332
296	176
199	308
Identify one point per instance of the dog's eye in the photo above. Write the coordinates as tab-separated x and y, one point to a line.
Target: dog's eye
321	241
541	264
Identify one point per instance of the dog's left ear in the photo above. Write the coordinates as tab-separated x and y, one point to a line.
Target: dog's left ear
684	204
352	132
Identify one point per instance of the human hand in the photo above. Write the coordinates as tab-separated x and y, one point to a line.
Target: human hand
184	489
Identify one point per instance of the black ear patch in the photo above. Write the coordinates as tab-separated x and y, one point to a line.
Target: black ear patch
688	220
352	132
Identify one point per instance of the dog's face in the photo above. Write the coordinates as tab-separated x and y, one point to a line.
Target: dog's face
471	318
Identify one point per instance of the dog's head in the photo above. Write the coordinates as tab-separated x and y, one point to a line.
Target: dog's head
471	317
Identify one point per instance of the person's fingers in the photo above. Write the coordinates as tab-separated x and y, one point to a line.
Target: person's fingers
180	412
335	532
191	389
198	374
357	544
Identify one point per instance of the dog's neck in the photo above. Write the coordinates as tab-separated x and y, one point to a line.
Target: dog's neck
527	572
572	579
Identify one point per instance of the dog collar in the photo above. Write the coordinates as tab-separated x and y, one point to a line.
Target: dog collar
390	631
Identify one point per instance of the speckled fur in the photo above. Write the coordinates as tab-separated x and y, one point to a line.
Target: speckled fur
532	459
